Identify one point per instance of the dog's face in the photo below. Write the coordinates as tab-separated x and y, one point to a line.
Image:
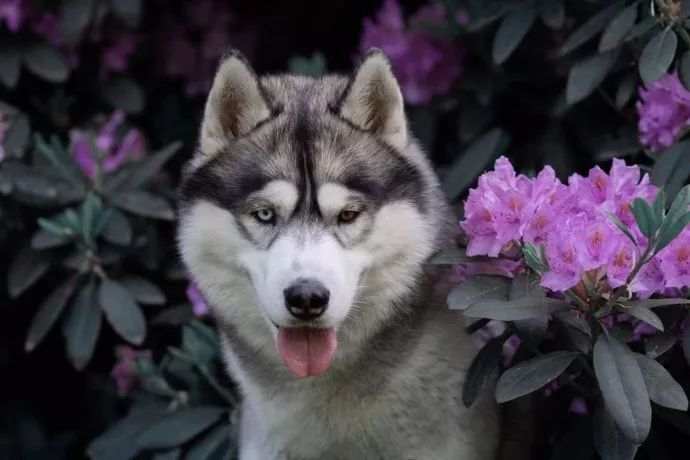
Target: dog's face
306	206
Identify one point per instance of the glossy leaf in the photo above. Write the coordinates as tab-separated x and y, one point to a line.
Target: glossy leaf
26	268
586	75
589	28
46	62
82	326
609	440
143	290
144	204
482	374
618	28
478	288
512	30
49	312
122	311
658	55
530	375
623	388
178	427
661	386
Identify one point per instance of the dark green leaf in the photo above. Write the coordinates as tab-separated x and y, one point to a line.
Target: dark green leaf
553	13
74	17
661	386
512	30
174	316
669	231
654	303
482	374
659	206
143	290
26	268
137	174
586	75
667	162
645	217
44	239
621	226
618	28
199	343
117	229
609	440
172	454
533	258
144	204
623	388
641	28
117	443
589	28
46	62
684	69
17	136
10	60
530	375
658	344
82	326
48	313
478	288
450	257
646	315
211	444
658	55
178	427
472	163
680	203
123	93
123	313
626	89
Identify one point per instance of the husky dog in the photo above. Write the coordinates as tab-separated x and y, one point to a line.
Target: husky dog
307	216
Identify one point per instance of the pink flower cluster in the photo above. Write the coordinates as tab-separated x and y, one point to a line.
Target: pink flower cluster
425	65
115	144
200	307
191	44
124	371
664	112
572	223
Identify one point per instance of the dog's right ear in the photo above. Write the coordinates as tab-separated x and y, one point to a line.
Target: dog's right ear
234	106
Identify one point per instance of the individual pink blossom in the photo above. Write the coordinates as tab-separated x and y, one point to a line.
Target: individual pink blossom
117	52
425	65
12	13
113	146
125	370
664	112
674	261
199	305
565	269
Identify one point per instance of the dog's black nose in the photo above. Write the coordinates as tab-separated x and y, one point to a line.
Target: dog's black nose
306	299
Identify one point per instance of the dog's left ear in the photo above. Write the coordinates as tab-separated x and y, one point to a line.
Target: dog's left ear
234	106
373	100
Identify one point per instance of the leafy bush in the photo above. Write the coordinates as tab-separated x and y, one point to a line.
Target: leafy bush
97	97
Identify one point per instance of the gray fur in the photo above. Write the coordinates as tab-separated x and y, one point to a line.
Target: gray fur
393	388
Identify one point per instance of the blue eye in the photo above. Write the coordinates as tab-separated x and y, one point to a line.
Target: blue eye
265	215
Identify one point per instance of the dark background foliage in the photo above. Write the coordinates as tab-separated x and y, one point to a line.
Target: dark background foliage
528	94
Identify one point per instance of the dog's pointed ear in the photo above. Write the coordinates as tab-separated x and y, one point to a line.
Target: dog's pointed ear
235	104
373	100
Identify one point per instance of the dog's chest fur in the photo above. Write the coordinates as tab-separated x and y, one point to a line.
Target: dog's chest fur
400	398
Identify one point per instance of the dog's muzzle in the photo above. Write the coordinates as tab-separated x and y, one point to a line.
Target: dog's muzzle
306	299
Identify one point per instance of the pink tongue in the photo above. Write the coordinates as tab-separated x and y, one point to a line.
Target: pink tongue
307	351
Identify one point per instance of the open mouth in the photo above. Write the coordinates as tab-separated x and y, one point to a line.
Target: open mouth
307	351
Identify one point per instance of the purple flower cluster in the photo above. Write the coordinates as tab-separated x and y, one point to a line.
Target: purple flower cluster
125	369
425	65
109	148
572	223
12	14
664	112
191	45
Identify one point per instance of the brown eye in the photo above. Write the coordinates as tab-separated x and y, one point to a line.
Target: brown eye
348	215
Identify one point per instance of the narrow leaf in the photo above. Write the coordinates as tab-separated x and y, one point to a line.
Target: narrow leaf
482	374
589	28
684	69
657	56
83	326
144	204
646	315
553	13
658	344
178	427
645	217
46	62
512	30
626	90
48	313
143	290
609	440
530	375
618	28
661	386
478	288
623	388
586	75
654	303
123	313
26	268
670	230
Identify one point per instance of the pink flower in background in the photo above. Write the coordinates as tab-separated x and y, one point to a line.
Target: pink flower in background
121	45
45	24
12	13
199	305
125	370
191	44
115	145
425	65
664	111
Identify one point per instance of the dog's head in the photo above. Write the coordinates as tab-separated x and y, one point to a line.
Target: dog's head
307	210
